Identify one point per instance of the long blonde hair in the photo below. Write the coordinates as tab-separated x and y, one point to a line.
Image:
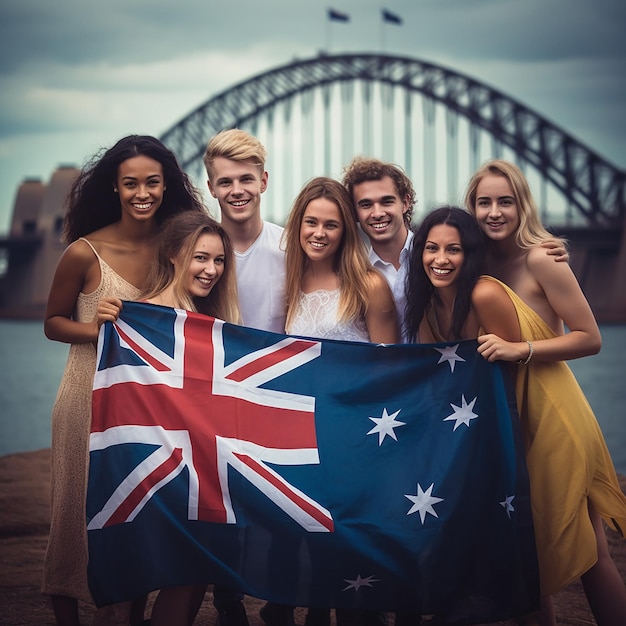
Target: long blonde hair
178	236
531	231
351	262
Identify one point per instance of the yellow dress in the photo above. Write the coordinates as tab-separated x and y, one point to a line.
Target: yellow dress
65	564
568	462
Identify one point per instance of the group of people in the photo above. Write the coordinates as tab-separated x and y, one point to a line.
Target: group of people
347	265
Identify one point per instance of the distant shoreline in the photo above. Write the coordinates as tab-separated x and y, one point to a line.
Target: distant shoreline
36	313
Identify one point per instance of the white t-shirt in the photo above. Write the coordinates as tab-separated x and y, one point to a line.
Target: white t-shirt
396	278
261	281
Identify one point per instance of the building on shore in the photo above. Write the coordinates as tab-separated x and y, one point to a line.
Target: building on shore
32	247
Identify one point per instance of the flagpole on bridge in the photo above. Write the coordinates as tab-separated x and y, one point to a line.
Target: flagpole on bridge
391	18
333	16
328	34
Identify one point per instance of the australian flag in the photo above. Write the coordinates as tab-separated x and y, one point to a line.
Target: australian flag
305	472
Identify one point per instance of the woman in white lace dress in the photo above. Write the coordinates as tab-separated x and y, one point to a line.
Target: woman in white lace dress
332	290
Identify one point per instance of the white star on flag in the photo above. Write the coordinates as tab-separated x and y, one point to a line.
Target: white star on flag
360	582
423	502
508	507
385	425
449	354
462	414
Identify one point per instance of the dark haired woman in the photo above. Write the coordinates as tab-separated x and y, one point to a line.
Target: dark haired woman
115	209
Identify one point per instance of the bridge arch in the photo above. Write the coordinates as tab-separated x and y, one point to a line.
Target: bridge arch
591	185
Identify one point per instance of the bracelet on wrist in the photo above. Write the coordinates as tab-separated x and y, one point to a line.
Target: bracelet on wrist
530	354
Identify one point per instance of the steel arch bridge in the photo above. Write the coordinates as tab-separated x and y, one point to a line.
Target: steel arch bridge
593	188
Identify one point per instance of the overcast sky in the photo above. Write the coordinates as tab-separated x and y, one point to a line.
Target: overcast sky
76	75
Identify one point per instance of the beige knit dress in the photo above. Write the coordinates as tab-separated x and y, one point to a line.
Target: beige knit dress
65	565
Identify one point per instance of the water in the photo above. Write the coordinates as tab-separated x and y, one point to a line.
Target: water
31	368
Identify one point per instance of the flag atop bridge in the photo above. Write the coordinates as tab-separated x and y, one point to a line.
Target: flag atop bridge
391	18
338	16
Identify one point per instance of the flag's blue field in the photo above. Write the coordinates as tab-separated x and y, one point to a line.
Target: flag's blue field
310	473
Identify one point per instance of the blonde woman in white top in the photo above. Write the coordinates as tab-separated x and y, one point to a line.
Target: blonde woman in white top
332	290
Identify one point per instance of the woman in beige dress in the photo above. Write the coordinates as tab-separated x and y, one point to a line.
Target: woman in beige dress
115	208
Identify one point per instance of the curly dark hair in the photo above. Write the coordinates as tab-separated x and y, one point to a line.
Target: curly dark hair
362	169
92	202
419	289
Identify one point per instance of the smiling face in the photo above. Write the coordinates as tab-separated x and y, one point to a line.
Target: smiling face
380	211
238	186
140	185
206	266
495	208
321	230
443	256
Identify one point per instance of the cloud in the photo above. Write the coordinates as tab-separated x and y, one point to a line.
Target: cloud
56	97
83	32
78	74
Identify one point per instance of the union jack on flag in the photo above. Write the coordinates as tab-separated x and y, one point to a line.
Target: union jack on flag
306	472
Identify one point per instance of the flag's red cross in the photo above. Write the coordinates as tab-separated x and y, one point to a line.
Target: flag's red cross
210	423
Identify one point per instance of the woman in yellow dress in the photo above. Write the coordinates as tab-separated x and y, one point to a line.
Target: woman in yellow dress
573	482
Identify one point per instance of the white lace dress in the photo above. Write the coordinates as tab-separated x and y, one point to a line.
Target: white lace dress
316	316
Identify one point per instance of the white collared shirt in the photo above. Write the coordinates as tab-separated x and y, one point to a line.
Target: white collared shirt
396	278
